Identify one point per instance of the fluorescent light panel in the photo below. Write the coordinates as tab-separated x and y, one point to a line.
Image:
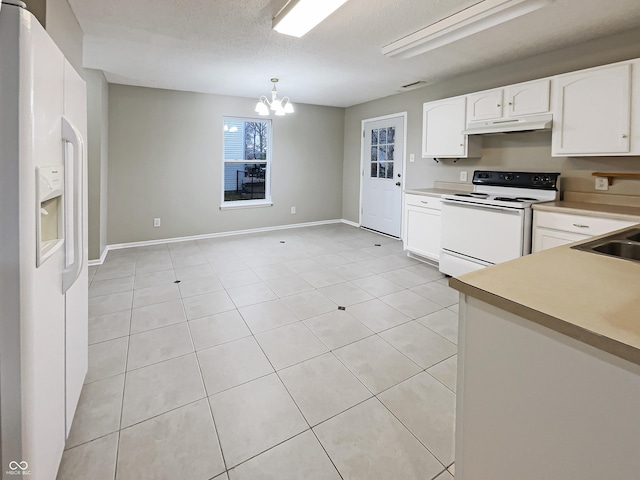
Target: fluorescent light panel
469	21
300	16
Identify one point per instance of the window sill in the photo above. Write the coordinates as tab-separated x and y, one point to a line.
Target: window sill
246	204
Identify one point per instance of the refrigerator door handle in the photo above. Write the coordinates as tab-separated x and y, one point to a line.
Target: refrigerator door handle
72	204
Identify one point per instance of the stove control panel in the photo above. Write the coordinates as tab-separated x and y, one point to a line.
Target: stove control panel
545	181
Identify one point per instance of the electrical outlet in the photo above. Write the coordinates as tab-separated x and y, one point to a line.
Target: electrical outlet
156	222
602	183
412	157
463	176
293	210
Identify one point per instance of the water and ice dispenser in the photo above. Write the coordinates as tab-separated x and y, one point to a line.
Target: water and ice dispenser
50	215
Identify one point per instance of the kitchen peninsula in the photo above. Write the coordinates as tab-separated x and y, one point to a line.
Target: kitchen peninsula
549	368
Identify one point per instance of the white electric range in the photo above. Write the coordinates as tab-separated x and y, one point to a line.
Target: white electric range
492	224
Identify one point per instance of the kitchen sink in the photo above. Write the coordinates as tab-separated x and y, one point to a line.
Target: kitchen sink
619	248
624	245
634	237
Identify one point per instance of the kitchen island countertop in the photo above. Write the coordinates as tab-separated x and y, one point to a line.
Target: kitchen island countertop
592	298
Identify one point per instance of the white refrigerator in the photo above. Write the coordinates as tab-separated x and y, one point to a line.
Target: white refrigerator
43	246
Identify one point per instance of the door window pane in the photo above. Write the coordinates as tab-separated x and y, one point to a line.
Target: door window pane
391	134
382	154
374	137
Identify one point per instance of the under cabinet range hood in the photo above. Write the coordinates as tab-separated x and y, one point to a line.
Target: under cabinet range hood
509	125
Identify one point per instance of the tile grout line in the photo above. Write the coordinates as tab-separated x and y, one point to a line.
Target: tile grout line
204	387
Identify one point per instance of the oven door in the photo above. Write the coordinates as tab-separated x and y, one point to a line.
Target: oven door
488	233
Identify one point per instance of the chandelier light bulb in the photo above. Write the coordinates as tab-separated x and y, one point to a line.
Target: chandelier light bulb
279	106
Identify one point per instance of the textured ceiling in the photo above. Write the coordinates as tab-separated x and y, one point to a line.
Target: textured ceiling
228	47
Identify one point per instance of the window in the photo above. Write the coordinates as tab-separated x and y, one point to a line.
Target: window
383	152
247	162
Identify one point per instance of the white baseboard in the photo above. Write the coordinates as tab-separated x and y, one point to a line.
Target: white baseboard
349	222
146	243
99	261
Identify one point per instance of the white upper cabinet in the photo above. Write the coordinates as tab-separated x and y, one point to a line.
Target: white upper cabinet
484	105
593	112
527	98
442	125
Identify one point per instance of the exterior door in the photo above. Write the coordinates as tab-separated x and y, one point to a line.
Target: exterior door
382	178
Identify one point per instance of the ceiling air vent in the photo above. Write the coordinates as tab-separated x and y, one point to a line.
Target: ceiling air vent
412	86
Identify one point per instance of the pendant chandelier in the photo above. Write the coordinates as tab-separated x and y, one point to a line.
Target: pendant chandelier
278	106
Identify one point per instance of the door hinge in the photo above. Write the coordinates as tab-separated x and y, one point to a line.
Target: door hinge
362	133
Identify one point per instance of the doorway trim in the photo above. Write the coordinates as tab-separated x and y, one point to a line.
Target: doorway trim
402	115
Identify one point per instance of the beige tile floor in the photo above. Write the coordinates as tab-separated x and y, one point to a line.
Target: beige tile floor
230	359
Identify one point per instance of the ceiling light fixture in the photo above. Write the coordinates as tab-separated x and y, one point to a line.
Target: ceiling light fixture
469	21
297	17
279	106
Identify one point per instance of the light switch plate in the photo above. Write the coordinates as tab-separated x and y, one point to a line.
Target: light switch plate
463	176
412	157
156	222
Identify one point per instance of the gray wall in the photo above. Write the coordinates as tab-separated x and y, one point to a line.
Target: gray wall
97	153
517	151
165	153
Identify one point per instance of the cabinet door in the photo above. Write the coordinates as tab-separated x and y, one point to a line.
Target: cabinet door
527	98
423	232
544	238
593	110
484	105
443	122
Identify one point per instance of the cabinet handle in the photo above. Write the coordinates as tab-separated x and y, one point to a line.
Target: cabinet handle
498	105
580	225
624	135
422	201
462	144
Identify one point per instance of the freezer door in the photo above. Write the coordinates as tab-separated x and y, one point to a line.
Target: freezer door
42	305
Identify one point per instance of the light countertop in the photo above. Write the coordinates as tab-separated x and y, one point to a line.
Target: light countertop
431	192
592	298
441	188
600	210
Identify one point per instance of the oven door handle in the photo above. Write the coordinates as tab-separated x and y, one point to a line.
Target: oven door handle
482	206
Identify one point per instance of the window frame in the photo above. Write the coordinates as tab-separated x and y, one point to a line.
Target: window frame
236	204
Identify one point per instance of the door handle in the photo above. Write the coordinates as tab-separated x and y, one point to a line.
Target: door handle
398	183
73	205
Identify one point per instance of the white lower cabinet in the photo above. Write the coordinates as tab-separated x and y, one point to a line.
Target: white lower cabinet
552	229
422	226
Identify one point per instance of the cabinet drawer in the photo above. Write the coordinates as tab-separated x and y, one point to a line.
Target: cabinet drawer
578	223
424	201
